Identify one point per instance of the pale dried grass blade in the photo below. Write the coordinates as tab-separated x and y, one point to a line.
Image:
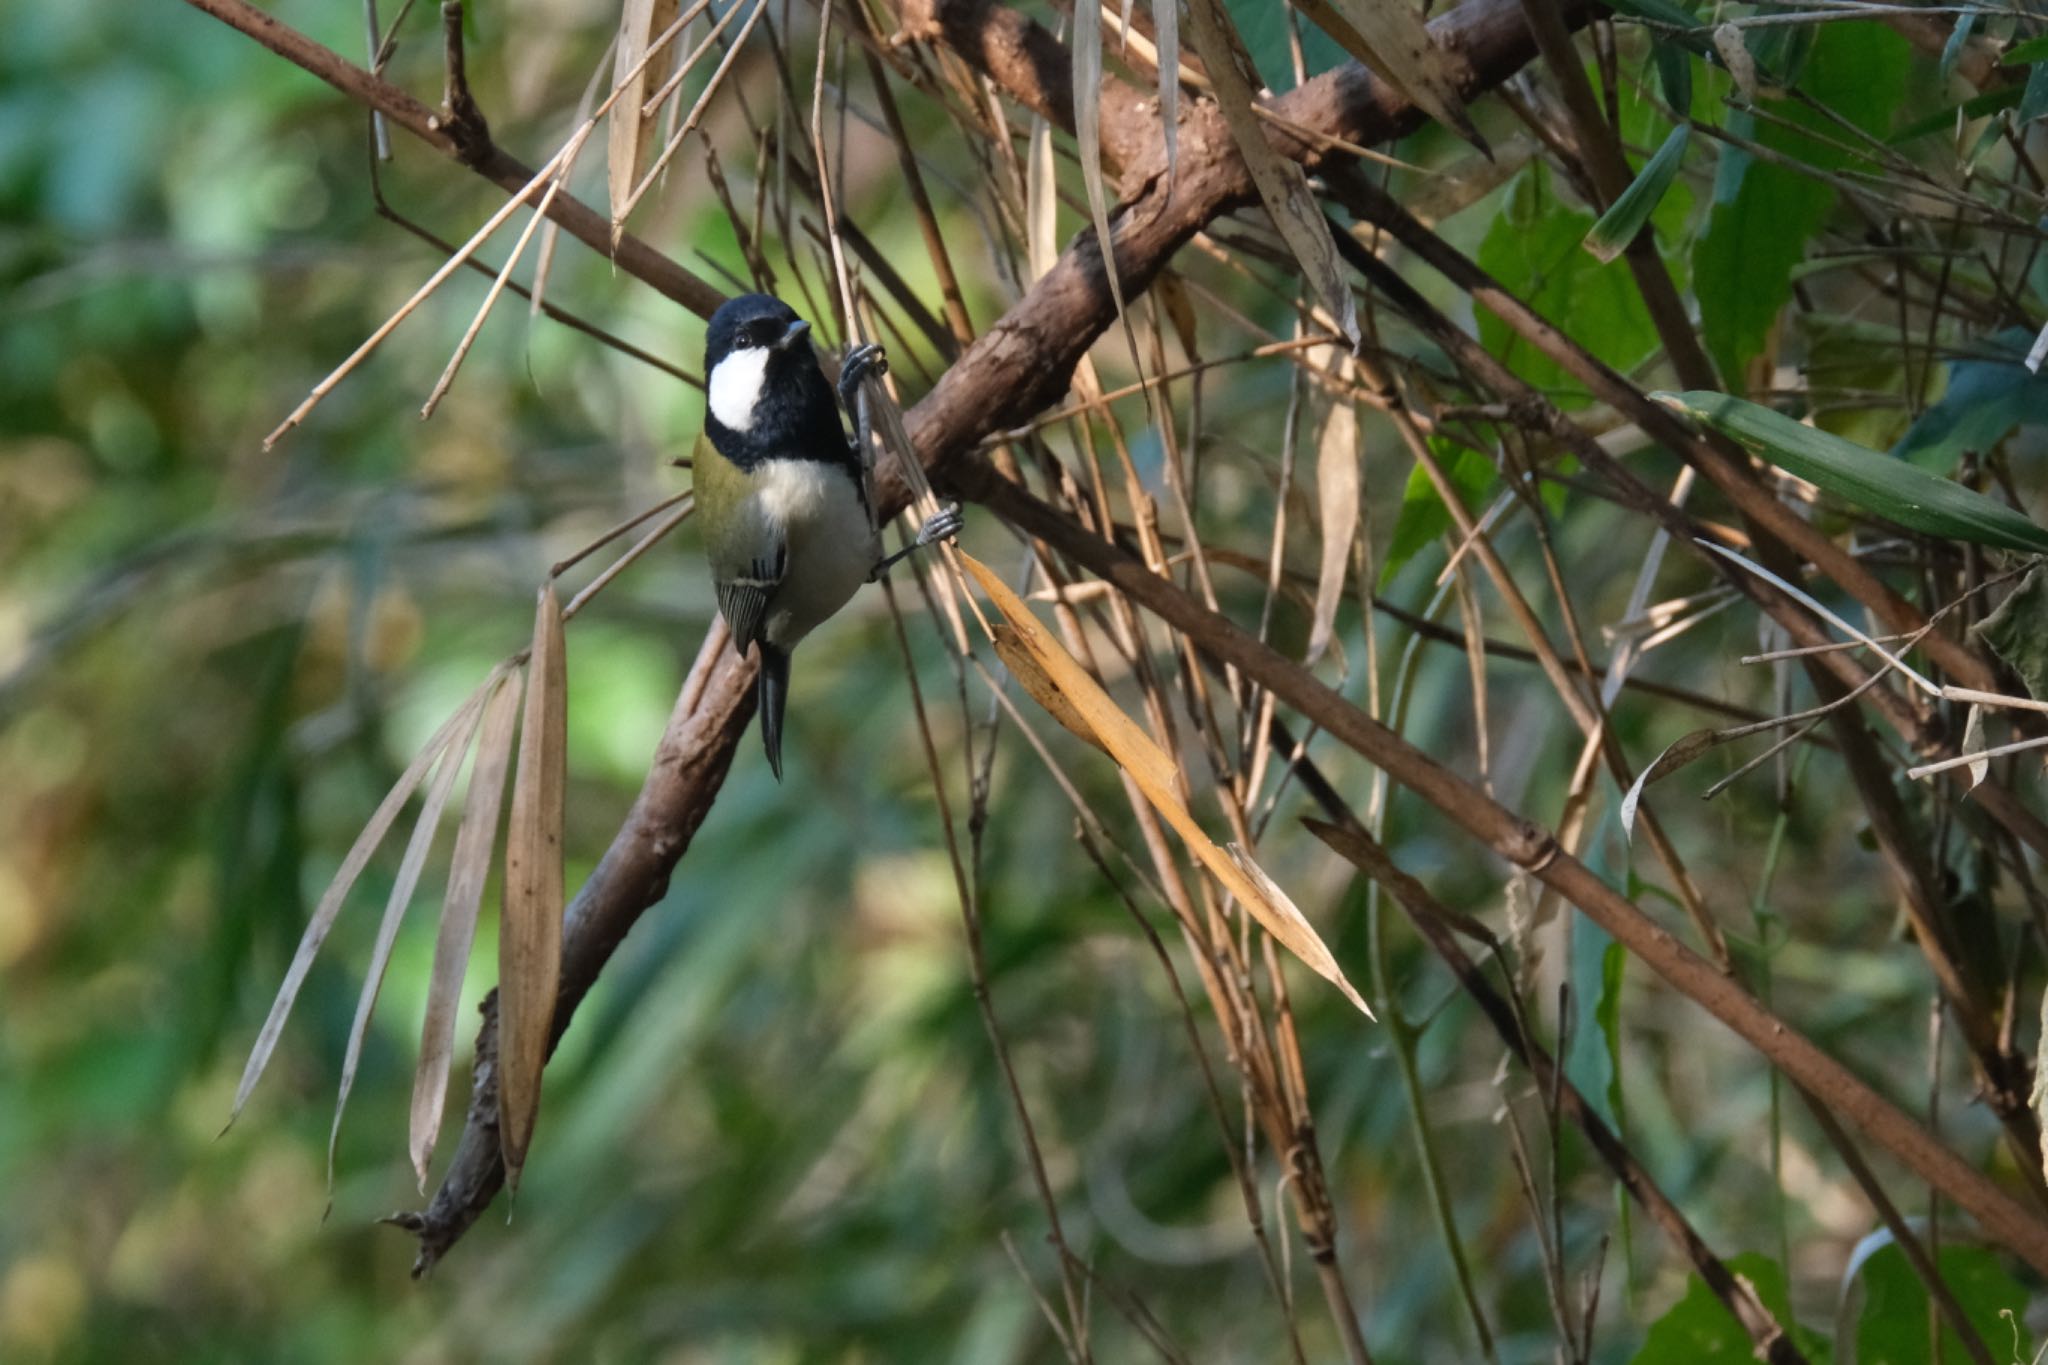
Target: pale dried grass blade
409	868
1973	742
530	931
1389	37
551	231
632	128
1282	186
1166	27
1154	772
504	276
1041	201
329	907
1337	504
475	840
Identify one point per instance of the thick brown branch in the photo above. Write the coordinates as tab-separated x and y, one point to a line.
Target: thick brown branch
1536	851
1020	366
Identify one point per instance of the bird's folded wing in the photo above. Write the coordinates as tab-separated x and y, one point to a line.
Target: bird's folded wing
743	598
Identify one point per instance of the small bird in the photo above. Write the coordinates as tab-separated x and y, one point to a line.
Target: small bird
783	497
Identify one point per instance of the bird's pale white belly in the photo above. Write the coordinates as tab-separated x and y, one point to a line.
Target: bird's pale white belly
831	544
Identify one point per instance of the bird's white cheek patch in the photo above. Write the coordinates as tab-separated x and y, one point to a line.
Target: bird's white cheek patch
735	387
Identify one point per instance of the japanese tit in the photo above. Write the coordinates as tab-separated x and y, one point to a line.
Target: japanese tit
783	497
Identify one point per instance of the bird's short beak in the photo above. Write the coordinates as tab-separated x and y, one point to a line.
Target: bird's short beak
796	332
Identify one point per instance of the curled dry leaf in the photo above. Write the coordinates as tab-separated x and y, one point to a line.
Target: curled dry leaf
329	907
1282	186
475	840
630	134
1149	766
1670	761
402	887
530	931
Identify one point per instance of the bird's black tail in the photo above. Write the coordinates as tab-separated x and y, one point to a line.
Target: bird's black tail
771	689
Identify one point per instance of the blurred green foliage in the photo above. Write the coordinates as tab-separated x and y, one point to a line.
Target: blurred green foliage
777	1131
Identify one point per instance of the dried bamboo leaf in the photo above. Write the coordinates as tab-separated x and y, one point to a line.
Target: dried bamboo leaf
530	931
1282	186
329	908
1337	499
631	134
1391	40
1024	667
1088	133
1166	30
1973	743
1148	765
402	887
475	840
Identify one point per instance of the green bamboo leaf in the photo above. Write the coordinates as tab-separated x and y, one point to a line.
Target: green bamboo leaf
1879	483
2019	54
1631	209
1944	120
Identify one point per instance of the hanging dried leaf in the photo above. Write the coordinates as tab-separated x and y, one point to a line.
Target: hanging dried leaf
1166	29
1088	133
1149	766
1024	667
1282	186
640	23
475	840
402	887
329	908
1337	498
530	930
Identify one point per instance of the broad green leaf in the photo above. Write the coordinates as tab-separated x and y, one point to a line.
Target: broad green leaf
1592	1060
1878	483
1699	1330
2034	100
2018	632
1534	250
1674	73
1892	1328
1764	213
2032	50
1631	210
1423	515
1988	395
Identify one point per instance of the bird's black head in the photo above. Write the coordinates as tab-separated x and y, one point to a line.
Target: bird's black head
766	396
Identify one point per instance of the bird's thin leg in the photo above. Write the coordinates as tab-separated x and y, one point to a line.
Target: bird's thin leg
860	362
943	525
